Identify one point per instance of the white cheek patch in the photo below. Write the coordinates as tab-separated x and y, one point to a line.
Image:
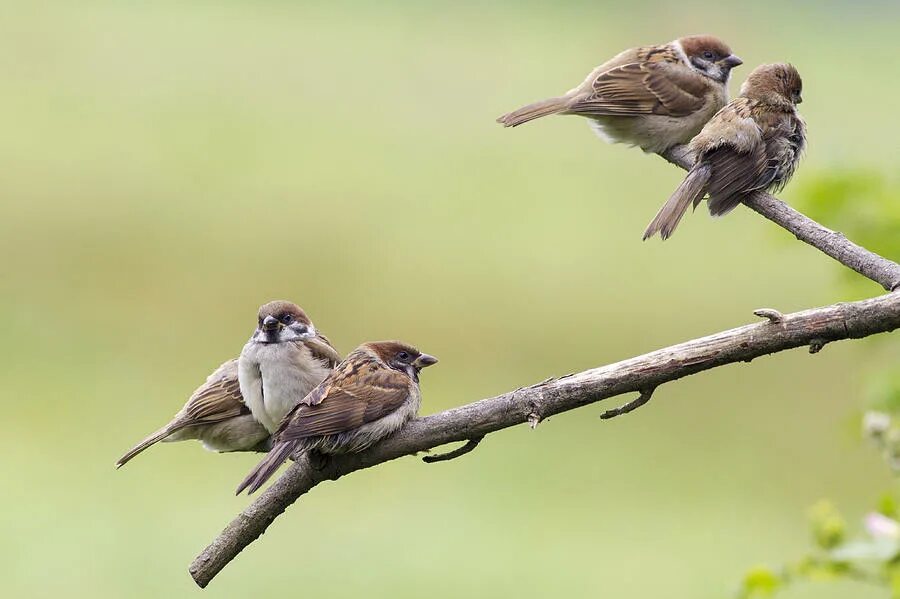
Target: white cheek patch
680	51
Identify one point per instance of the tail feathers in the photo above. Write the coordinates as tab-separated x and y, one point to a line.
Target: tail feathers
267	467
152	439
719	206
690	191
533	111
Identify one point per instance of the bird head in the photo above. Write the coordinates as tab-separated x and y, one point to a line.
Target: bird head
709	56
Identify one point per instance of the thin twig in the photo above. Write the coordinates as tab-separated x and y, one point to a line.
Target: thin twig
643	398
451	455
774	316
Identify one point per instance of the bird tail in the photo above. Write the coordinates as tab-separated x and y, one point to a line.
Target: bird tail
152	439
720	206
690	191
267	467
533	111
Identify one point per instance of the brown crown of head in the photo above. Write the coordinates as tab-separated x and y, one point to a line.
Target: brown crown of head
780	79
697	45
397	353
280	308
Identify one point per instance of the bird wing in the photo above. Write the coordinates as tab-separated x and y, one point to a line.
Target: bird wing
350	399
731	144
219	398
785	139
642	88
322	350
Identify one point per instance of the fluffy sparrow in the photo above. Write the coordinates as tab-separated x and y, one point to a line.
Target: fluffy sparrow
653	97
215	414
754	143
284	360
370	395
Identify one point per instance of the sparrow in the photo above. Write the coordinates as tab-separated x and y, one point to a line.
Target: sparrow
285	358
754	143
653	97
215	414
368	396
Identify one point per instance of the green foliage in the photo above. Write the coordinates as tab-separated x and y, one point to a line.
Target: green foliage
871	559
760	581
862	204
828	525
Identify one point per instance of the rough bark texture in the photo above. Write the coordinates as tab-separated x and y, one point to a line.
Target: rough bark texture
642	374
869	264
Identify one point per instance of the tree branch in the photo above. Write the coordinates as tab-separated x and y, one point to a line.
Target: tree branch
867	263
535	403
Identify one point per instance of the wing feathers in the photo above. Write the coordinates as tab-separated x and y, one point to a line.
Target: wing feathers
643	88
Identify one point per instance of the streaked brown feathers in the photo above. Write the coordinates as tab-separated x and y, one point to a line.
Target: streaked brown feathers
643	88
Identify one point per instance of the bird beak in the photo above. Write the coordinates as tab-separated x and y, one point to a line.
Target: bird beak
424	360
732	61
798	98
270	324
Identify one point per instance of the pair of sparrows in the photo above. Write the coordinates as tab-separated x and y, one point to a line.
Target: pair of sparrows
656	97
290	392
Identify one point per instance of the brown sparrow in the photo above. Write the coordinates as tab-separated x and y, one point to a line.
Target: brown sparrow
653	97
215	414
754	143
370	395
284	360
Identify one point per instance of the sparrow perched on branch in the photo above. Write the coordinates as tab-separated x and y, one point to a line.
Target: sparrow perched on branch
752	144
284	360
215	414
653	97
370	395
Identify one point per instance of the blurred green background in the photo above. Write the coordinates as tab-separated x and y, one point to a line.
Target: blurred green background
169	166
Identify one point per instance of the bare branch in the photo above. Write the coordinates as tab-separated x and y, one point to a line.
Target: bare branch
851	320
867	263
450	455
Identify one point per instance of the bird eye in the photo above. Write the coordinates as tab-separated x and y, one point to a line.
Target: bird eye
287	318
708	55
403	356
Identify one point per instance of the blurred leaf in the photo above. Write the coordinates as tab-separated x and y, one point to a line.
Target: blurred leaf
760	581
828	526
883	391
819	570
887	506
894	580
878	549
860	203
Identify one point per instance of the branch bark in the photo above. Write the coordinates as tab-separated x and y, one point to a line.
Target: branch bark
535	403
867	263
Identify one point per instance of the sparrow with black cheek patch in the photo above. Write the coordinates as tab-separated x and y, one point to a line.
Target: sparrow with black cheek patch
653	97
215	414
370	395
752	144
284	359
